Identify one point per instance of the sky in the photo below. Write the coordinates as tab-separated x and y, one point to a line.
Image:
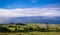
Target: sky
21	8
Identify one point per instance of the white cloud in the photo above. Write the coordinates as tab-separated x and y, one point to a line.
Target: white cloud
47	12
33	1
51	12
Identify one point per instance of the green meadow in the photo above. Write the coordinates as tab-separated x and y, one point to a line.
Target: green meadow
32	33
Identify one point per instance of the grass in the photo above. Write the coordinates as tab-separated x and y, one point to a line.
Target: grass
32	33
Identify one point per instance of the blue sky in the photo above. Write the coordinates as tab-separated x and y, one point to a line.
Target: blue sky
49	9
26	3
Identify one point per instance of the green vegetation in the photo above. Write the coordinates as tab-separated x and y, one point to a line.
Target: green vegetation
29	29
32	33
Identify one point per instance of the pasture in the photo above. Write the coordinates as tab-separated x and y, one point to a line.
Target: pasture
32	33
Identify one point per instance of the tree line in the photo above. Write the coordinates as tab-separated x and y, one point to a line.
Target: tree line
20	27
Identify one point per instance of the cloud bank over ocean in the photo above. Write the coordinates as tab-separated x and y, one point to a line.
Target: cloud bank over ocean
46	13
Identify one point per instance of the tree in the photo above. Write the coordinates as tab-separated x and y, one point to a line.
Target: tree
20	24
11	23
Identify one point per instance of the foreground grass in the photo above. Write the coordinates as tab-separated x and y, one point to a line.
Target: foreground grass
32	33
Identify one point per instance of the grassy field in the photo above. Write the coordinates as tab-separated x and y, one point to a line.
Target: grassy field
32	33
